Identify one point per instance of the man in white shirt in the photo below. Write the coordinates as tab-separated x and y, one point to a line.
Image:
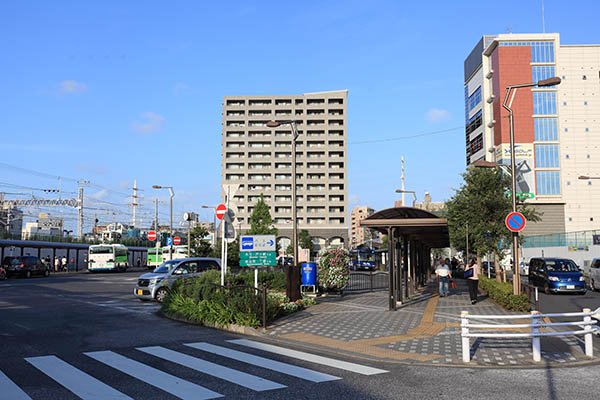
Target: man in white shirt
443	276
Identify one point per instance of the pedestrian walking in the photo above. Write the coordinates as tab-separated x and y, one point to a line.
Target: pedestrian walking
64	264
443	276
472	272
57	264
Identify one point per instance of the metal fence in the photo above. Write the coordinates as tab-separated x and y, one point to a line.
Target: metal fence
367	281
586	329
581	238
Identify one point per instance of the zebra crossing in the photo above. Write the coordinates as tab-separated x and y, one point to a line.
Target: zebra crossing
88	387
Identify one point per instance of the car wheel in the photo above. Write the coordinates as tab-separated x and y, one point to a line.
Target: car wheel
3	276
46	273
593	285
28	274
161	294
546	288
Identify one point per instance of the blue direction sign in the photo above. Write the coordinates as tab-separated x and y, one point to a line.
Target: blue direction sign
515	221
258	243
169	241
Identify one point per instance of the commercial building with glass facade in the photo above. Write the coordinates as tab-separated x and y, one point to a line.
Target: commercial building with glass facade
556	128
259	160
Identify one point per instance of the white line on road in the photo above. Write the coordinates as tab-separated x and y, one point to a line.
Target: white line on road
83	385
288	369
228	374
10	391
152	376
330	362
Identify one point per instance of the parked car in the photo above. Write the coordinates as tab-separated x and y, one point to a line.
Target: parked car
488	264
285	261
156	284
556	275
26	266
595	274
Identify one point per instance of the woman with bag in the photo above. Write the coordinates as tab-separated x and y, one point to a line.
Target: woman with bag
472	274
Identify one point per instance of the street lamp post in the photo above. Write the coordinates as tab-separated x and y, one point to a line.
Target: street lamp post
172	194
214	236
409	191
507	106
295	134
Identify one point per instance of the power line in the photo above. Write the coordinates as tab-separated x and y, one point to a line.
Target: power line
409	137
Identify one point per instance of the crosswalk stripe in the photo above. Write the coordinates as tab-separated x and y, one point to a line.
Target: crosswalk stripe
83	385
330	362
10	391
228	374
169	383
284	368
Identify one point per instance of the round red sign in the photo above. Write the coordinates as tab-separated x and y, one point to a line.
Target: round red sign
221	209
151	235
176	240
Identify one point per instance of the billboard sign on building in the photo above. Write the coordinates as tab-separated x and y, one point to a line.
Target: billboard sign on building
524	166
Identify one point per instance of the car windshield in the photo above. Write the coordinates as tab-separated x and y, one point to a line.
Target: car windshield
100	250
561	266
165	267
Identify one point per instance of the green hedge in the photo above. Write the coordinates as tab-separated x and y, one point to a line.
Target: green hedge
502	293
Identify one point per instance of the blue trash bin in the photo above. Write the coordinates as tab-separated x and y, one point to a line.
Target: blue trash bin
309	274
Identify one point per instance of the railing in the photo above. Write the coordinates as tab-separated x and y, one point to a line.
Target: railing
535	326
367	280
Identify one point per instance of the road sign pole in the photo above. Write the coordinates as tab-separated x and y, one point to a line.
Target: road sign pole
256	278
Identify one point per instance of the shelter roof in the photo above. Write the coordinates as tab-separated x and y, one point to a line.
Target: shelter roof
416	223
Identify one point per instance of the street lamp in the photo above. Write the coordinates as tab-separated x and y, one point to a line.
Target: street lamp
295	134
172	194
409	191
507	106
585	177
214	225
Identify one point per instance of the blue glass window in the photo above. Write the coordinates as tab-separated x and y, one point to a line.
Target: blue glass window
544	103
473	100
542	52
546	156
541	72
546	129
548	182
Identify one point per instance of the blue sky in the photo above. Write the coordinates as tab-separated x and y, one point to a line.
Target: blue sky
112	91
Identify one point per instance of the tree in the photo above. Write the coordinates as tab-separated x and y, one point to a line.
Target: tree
306	240
481	206
261	222
199	246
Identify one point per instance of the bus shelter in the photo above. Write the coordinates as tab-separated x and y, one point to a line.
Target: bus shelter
412	233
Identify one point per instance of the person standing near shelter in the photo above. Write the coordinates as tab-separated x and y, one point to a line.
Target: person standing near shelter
64	263
56	264
472	272
443	276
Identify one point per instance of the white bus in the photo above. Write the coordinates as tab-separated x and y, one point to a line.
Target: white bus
108	257
163	255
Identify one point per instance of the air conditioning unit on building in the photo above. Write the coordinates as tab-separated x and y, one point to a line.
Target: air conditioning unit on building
490	74
491	123
491	99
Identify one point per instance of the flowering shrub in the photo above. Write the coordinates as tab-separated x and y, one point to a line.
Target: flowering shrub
334	268
288	307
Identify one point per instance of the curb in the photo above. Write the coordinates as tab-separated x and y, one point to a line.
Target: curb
232	328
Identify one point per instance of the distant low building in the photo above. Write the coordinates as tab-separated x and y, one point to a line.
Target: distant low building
11	221
43	227
358	234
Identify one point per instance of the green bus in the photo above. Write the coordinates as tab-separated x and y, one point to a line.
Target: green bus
158	255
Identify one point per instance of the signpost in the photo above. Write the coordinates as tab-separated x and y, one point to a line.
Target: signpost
169	241
176	240
152	236
515	221
258	251
525	195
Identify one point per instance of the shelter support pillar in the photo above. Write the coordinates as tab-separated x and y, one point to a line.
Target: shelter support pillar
391	270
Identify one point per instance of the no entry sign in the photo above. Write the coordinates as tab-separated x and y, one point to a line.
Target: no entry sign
176	240
515	221
152	235
221	209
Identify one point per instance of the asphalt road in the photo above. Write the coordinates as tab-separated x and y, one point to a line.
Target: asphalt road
79	333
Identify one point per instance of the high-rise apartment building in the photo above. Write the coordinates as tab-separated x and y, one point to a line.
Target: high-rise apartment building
360	235
557	130
259	159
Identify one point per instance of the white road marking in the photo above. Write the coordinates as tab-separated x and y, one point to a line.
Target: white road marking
228	374
83	385
284	368
330	362
10	391
152	376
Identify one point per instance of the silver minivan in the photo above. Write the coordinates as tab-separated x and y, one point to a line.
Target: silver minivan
595	274
156	284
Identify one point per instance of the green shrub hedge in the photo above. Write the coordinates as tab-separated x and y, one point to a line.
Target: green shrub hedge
502	293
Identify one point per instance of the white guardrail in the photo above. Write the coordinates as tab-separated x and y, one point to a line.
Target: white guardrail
535	326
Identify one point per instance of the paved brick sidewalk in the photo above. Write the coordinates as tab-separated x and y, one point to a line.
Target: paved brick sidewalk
425	330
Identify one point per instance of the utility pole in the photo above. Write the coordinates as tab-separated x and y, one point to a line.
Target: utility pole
80	209
467	256
134	202
402	179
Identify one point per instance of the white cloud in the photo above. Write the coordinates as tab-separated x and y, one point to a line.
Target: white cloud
92	169
438	115
353	201
152	123
71	87
180	88
100	195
